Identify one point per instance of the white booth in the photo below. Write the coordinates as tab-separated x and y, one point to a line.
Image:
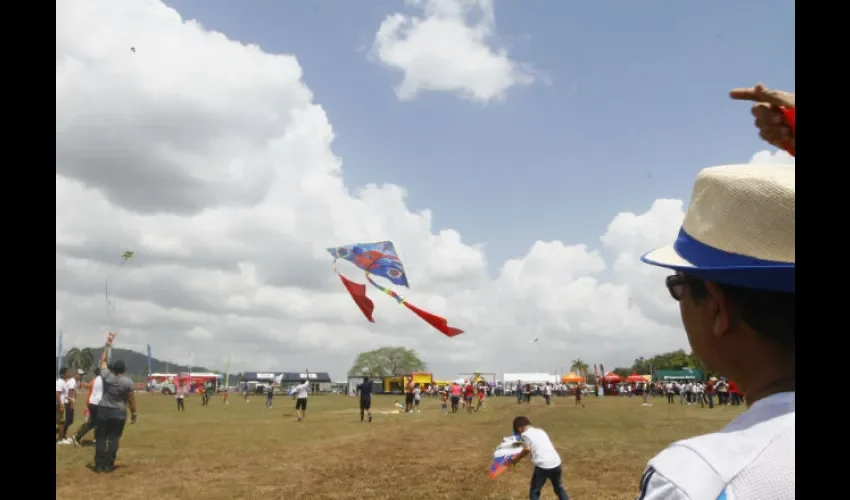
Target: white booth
509	380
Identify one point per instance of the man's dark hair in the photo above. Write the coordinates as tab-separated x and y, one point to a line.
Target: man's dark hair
63	371
97	372
770	314
118	367
520	422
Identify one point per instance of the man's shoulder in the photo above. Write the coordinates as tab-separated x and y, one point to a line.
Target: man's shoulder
705	465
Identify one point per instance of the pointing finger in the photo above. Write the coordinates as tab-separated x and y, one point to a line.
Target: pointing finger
747	94
760	93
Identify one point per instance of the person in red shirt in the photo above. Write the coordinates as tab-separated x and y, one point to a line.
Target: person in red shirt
734	394
468	394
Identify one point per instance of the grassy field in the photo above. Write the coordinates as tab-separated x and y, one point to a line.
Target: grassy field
244	451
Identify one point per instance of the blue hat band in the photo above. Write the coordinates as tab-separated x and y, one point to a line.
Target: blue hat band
717	265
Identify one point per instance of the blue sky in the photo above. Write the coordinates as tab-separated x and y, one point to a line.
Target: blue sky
635	106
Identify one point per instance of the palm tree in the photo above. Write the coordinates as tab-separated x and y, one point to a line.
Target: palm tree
82	359
578	366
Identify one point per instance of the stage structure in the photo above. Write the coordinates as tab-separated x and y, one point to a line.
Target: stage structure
490	378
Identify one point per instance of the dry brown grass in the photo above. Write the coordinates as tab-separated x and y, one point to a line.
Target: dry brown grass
243	451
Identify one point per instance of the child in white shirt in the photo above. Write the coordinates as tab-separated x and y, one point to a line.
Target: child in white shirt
417	398
547	462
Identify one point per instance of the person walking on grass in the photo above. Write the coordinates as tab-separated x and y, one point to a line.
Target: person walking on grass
117	396
180	396
733	277
468	395
270	396
95	395
364	390
444	396
70	400
61	398
417	398
544	456
301	391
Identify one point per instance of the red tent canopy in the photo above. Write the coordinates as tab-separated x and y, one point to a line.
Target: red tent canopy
612	378
634	377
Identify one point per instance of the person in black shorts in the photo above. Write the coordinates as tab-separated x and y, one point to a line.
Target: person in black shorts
365	392
408	395
301	391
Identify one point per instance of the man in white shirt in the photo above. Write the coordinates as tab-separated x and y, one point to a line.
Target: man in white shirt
734	280
95	395
547	393
61	397
547	462
301	391
70	398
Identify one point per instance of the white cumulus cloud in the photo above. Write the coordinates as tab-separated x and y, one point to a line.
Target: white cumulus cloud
450	47
210	159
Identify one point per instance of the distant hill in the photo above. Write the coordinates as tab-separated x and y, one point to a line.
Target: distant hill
137	363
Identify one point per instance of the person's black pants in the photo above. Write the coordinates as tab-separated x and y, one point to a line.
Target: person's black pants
107	433
69	417
538	480
91	424
180	405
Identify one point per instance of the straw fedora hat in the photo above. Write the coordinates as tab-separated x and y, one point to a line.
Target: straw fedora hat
739	228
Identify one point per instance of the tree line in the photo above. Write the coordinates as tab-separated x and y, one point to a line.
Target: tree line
673	360
395	361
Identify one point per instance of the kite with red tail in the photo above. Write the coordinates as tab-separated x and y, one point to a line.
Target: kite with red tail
380	259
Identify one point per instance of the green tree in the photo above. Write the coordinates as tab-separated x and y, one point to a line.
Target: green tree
82	359
387	361
578	366
623	372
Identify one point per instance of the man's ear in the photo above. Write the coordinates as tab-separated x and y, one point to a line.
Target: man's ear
724	313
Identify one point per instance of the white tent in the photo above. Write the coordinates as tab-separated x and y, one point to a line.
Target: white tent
528	378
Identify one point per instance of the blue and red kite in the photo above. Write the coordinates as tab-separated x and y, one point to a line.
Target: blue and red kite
381	259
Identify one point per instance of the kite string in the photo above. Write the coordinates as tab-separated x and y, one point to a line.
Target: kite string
110	306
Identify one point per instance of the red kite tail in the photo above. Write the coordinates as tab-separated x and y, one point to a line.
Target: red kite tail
358	294
437	322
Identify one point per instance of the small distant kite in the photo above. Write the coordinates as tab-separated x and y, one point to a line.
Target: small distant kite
381	259
505	455
534	341
133	50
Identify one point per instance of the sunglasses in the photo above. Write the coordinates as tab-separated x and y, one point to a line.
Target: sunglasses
676	285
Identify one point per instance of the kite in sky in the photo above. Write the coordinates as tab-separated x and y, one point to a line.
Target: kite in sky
380	259
535	340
